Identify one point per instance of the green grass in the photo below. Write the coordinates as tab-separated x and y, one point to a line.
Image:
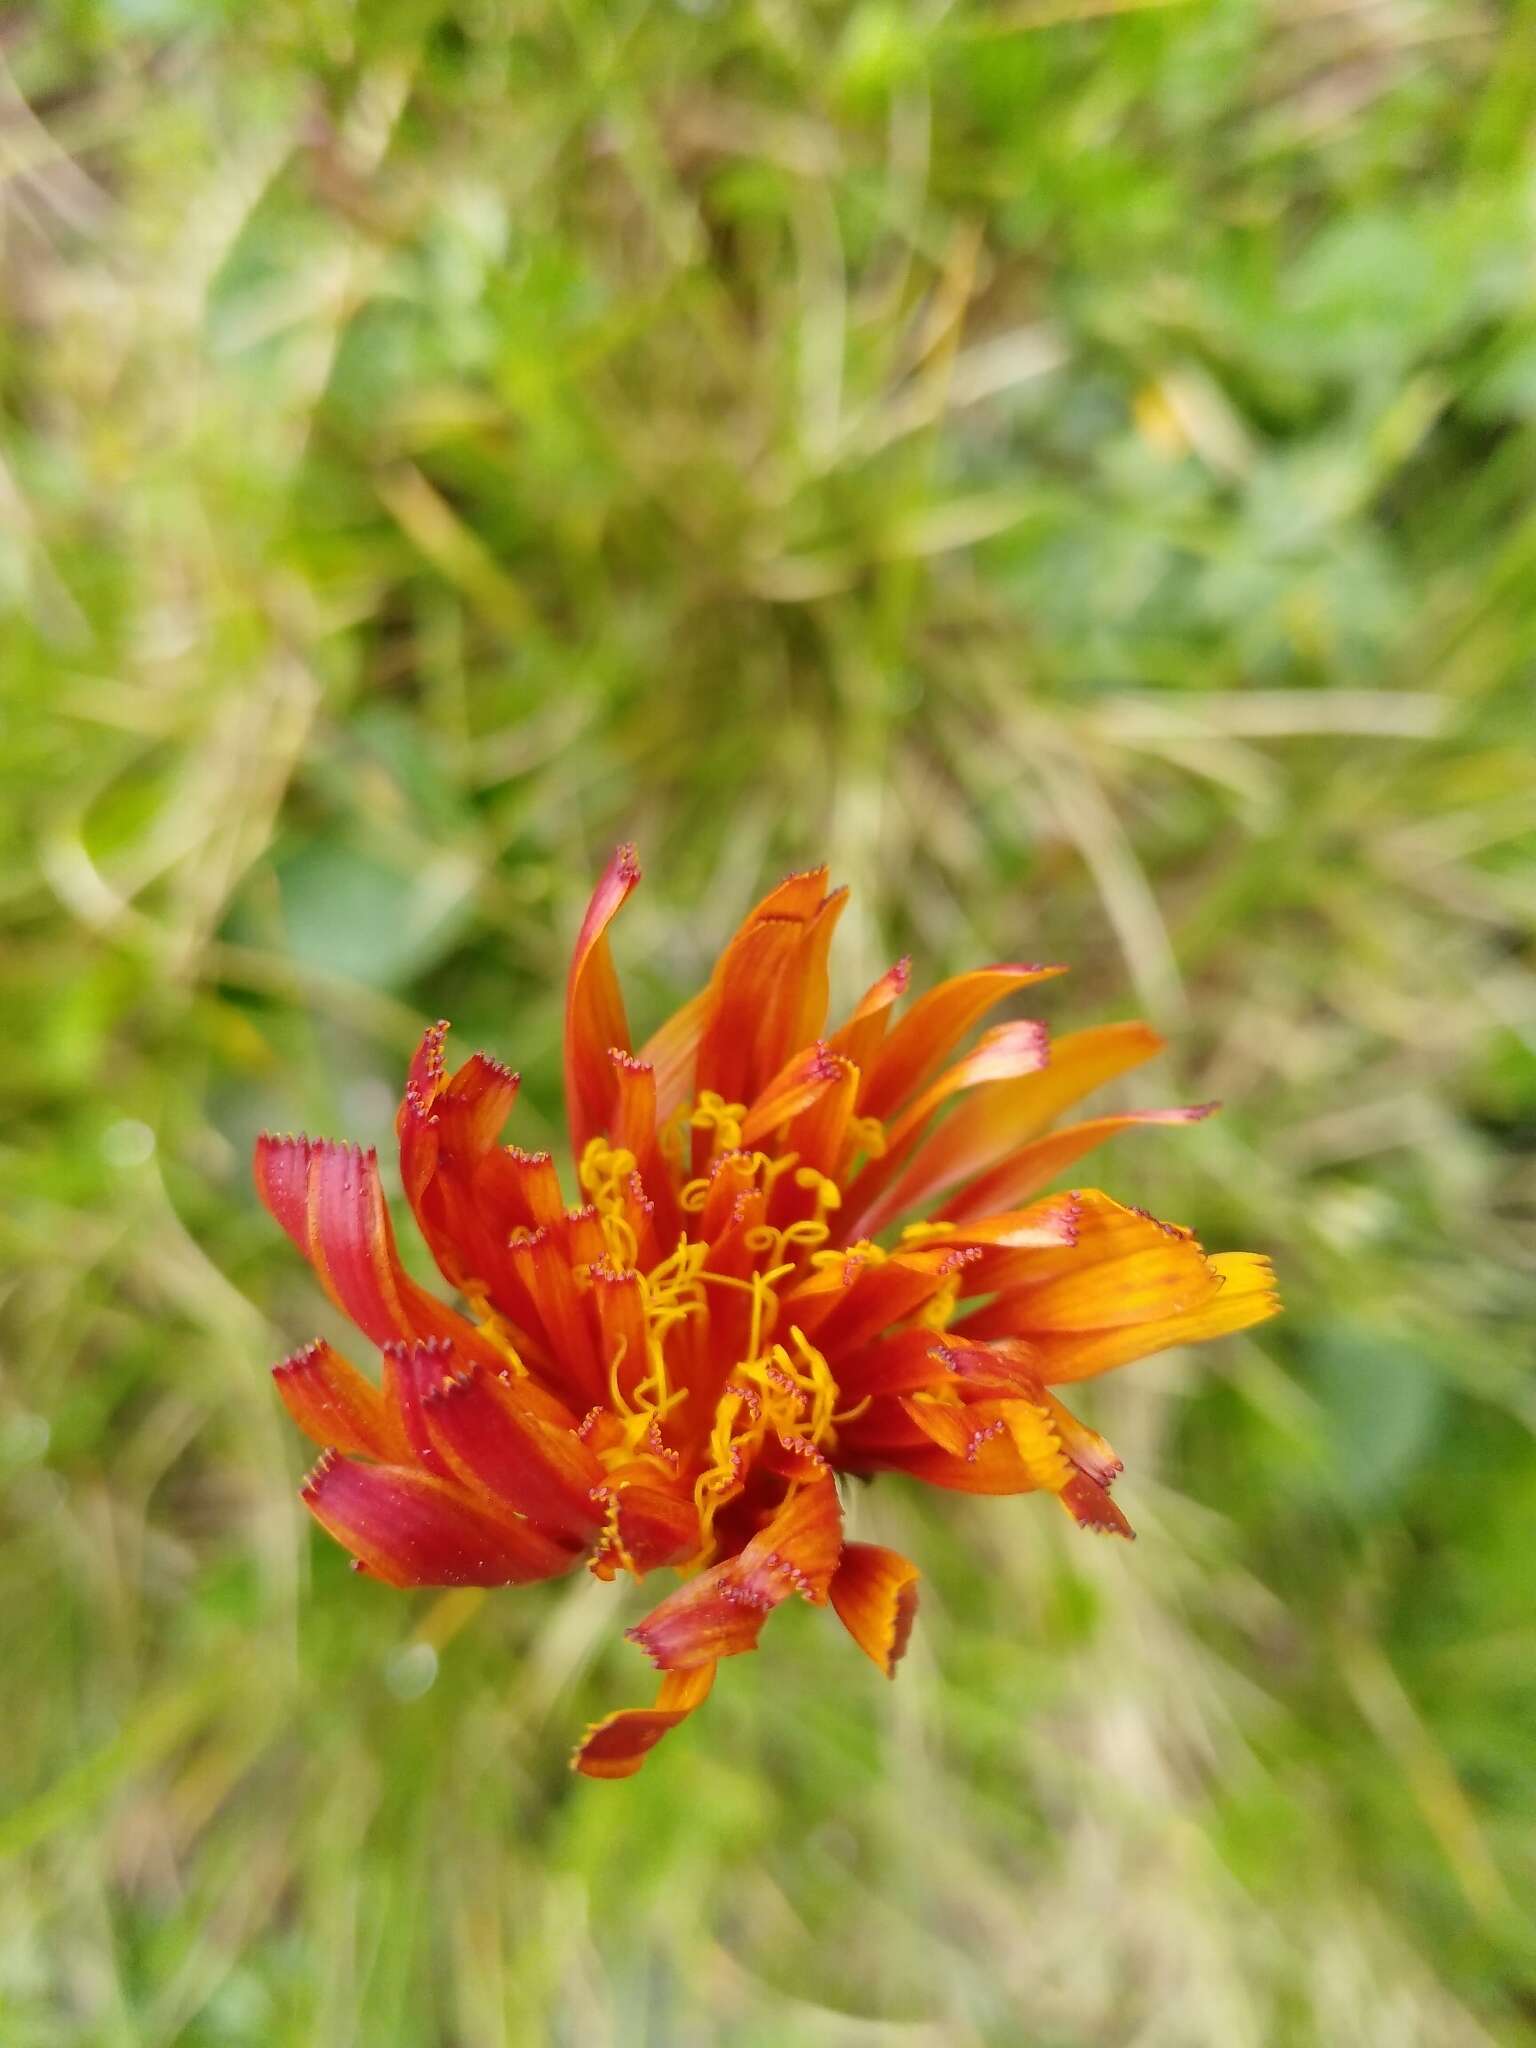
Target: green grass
1075	475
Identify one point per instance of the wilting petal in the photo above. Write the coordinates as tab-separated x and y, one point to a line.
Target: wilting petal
1084	1446
1247	1297
336	1407
721	1612
917	1046
490	1438
411	1529
874	1594
1031	1167
618	1746
1090	1507
594	1006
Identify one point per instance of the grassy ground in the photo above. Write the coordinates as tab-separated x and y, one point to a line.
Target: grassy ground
1070	465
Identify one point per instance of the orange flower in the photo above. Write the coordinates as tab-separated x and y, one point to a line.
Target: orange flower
672	1373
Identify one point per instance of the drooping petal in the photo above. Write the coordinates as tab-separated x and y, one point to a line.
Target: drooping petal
411	1529
617	1746
1009	1446
594	1006
918	1044
336	1407
721	1612
874	1594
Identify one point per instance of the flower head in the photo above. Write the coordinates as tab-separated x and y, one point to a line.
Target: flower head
672	1372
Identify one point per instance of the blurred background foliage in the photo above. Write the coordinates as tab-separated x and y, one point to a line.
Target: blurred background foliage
1068	462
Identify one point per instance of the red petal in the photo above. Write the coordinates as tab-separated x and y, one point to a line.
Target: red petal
874	1593
721	1612
618	1746
594	1007
410	1529
328	1198
452	1169
1090	1507
655	1527
490	1438
336	1407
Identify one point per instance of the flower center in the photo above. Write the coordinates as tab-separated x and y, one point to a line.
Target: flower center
772	1392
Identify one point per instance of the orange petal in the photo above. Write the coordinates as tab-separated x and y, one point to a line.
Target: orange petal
996	1119
1033	1166
1247	1296
672	1053
594	1006
736	1057
411	1529
843	1311
874	1594
721	1612
1013	1448
1125	1267
916	1047
675	1049
336	1407
887	1186
618	1746
801	1082
819	1138
861	1036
